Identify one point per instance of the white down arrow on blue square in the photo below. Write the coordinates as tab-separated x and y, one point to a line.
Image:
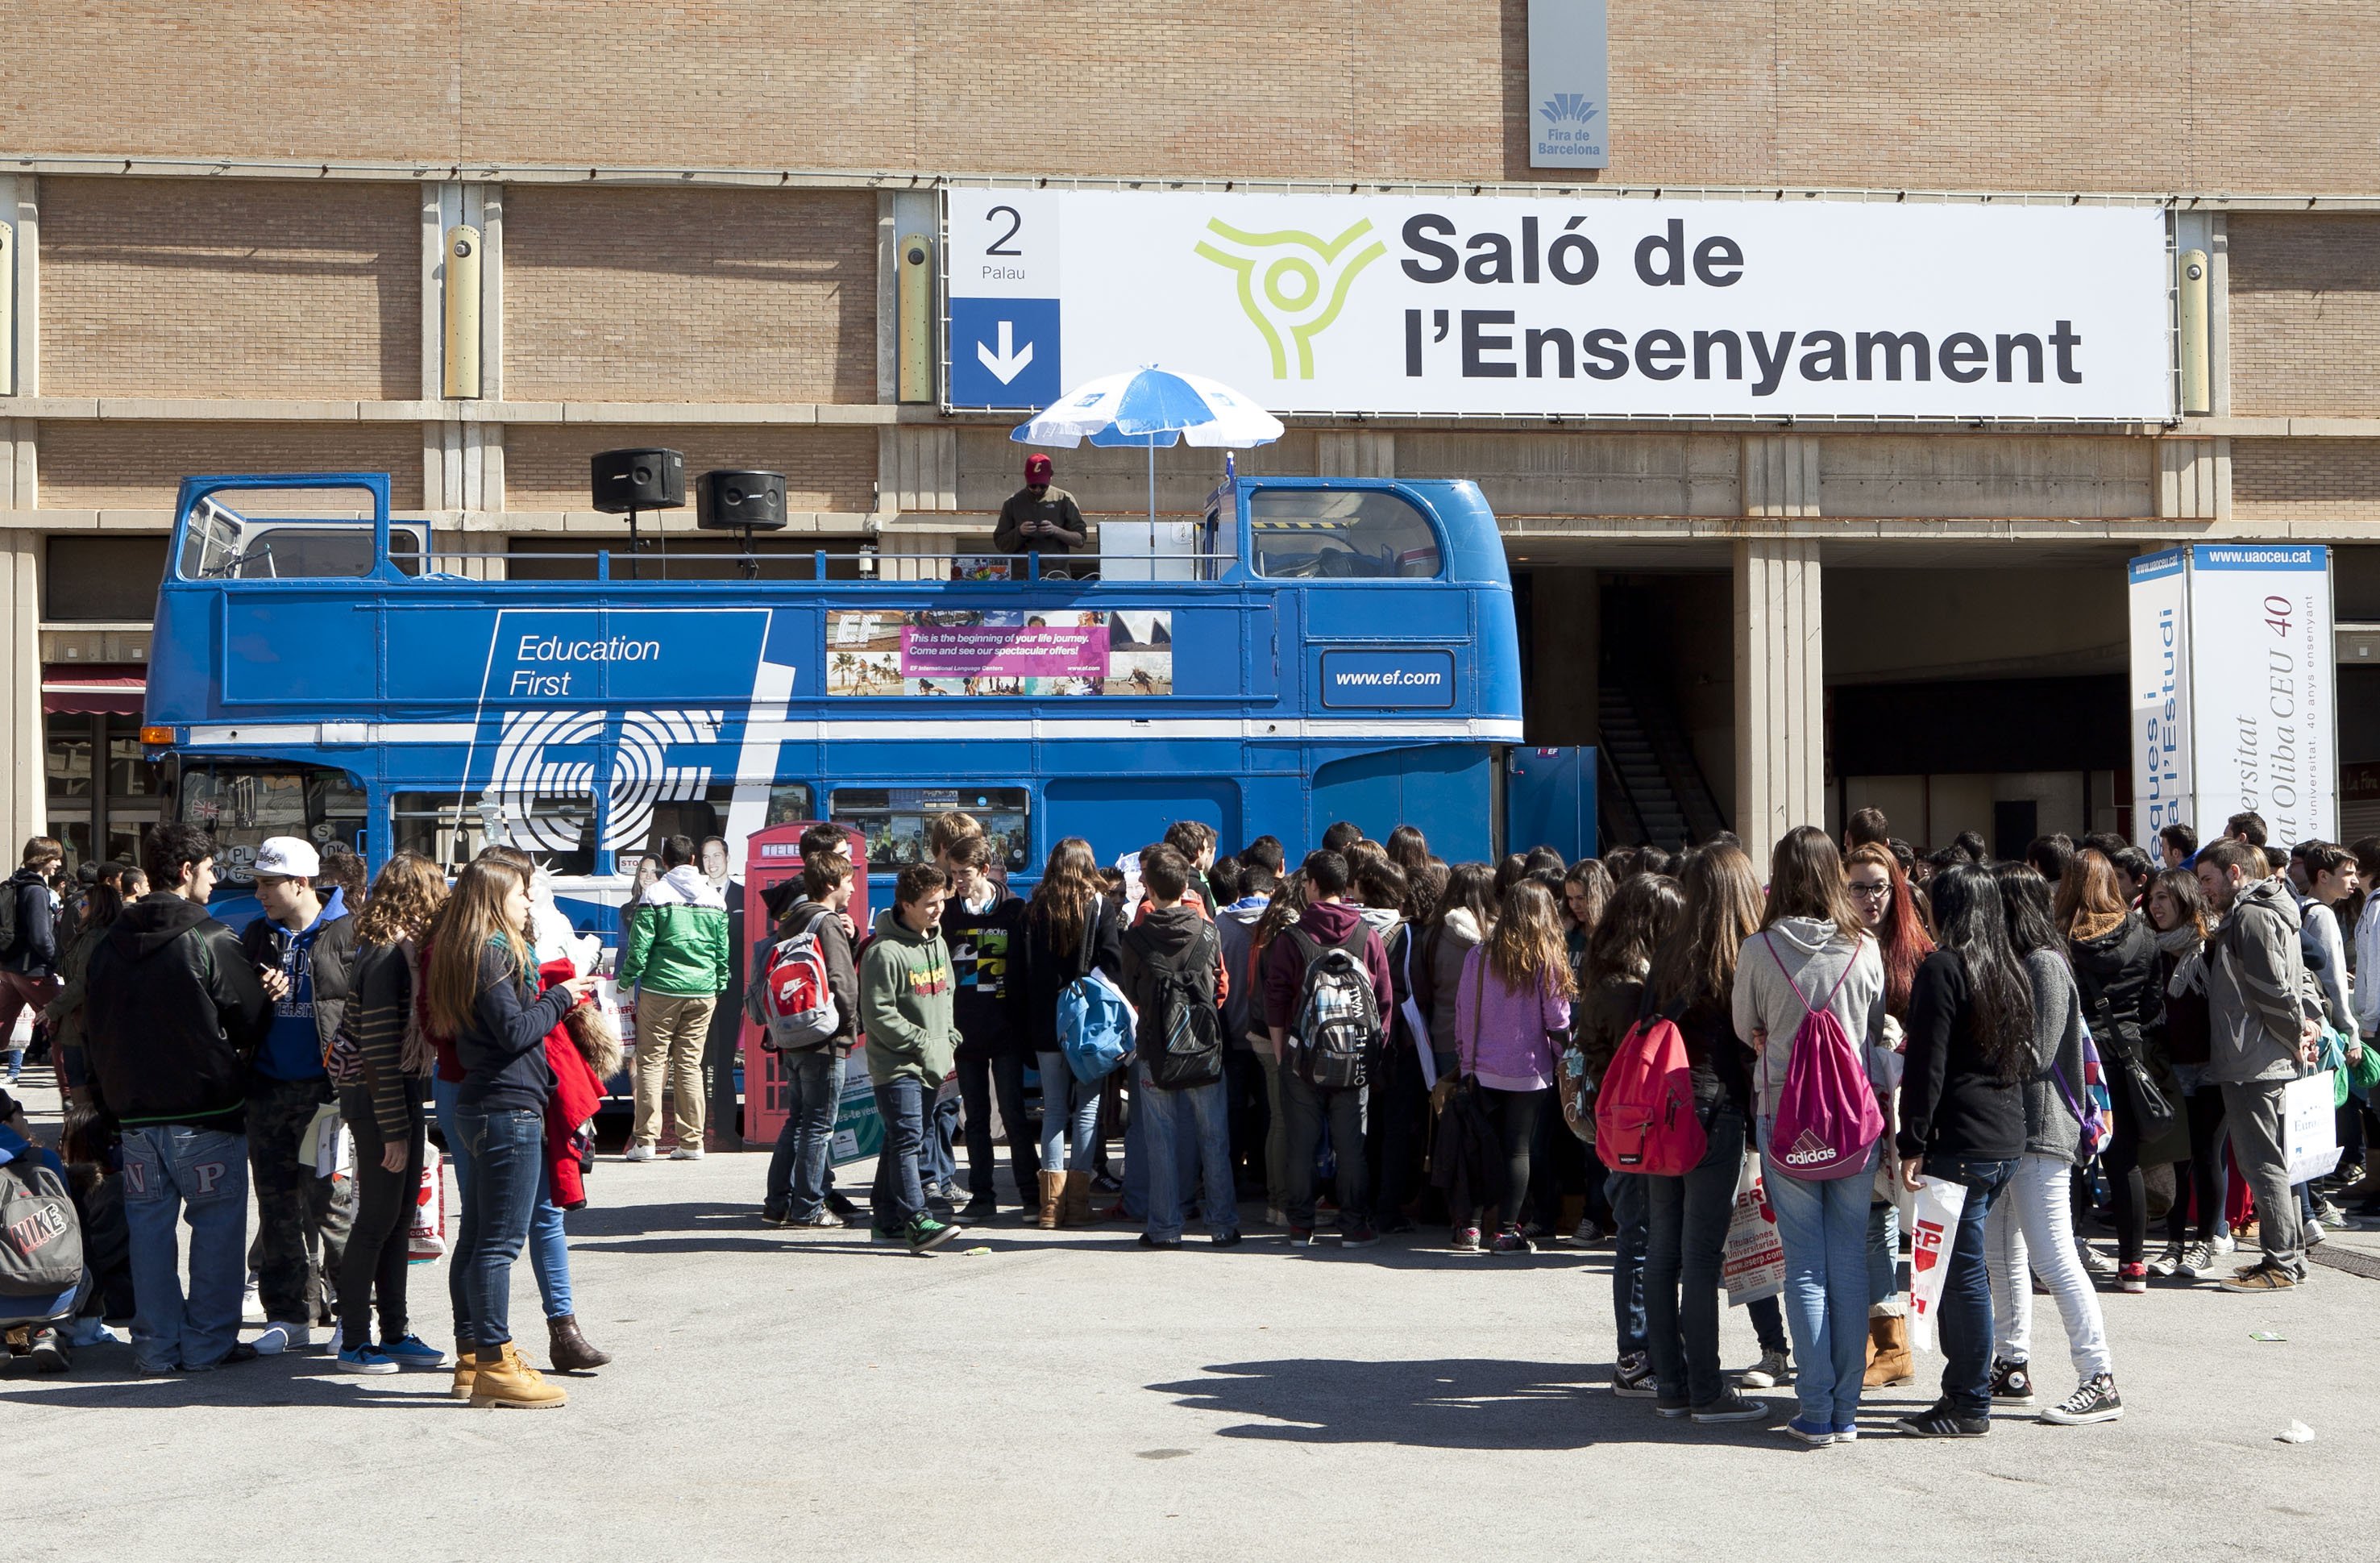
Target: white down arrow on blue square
1004	352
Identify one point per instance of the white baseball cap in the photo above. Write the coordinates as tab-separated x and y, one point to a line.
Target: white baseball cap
288	856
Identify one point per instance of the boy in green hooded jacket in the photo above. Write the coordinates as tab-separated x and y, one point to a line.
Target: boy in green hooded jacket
905	1009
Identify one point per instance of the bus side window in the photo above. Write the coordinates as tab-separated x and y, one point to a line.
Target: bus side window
1354	534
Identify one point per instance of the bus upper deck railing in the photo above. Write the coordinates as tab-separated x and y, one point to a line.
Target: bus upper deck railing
616	564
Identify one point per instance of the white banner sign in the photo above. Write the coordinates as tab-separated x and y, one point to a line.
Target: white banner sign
2233	701
1530	307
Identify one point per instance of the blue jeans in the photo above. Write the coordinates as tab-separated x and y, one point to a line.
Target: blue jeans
1202	1110
1630	1217
1685	1240
506	1152
548	1245
900	1196
941	1156
173	1172
1070	1115
1883	1250
979	1079
796	1180
1822	1225
1965	1316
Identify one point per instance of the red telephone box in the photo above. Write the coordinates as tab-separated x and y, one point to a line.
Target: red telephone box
772	856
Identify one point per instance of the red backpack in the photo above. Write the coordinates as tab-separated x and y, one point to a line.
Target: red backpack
1645	1118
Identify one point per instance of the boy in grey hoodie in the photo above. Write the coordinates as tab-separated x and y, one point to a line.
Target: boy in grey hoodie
2264	1035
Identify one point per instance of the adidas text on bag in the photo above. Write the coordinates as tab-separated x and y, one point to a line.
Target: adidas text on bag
1645	1118
1827	1116
1337	1017
797	1006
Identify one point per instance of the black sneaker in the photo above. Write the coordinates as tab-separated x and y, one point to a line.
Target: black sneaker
1939	1421
1632	1378
2096	1400
1227	1239
1358	1236
841	1204
1730	1407
983	1207
774	1216
1674	1409
241	1351
1147	1241
2011	1384
49	1351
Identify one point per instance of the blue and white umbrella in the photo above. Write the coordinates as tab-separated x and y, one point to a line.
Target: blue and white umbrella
1149	408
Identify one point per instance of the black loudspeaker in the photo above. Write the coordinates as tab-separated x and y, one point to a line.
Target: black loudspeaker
629	480
740	502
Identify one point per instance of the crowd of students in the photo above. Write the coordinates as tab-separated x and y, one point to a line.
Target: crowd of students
1371	1041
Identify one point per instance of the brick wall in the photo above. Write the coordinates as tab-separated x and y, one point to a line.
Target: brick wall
2305	480
826	468
2305	314
2222	95
109	465
230	288
694	294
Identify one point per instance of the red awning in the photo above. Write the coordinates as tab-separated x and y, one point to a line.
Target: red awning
94	689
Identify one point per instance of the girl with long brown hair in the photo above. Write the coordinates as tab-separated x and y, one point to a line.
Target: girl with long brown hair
478	980
2115	956
1512	1013
1642	913
1691	981
1813	952
385	1112
2180	920
1071	927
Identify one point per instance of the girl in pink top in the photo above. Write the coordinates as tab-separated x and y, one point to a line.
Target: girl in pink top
1511	1011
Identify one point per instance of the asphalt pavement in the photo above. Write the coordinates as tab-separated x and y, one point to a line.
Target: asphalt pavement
1068	1395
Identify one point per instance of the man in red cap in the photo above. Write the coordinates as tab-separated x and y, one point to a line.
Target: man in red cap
1038	519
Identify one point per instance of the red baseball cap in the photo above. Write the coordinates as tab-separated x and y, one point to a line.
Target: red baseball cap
1038	468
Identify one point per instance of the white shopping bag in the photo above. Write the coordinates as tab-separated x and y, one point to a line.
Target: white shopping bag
622	1016
2310	1126
1754	1263
426	1241
1933	1227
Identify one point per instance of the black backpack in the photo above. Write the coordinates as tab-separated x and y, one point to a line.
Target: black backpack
41	1241
9	891
1180	1034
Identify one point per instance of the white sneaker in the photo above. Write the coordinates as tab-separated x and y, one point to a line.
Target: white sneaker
2094	1262
2312	1232
275	1338
1273	1216
2223	1241
1768	1373
637	1153
251	1306
686	1154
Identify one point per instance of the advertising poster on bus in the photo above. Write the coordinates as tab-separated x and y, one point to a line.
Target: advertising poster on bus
981	651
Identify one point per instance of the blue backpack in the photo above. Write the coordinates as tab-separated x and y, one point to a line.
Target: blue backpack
1094	1026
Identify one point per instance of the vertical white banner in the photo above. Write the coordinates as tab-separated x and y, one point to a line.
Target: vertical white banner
2262	670
2160	696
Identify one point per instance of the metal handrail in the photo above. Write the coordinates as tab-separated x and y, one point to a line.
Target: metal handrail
890	568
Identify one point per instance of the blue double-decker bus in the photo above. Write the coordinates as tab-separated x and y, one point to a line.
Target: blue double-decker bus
1333	649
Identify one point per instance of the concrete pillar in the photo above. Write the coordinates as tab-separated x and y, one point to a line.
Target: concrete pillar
1562	705
1360	454
917	468
1779	663
2194	480
20	206
24	802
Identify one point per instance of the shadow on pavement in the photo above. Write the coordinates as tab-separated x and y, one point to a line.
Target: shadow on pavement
1453	1403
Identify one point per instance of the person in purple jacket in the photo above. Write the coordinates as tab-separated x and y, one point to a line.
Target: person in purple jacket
1511	1009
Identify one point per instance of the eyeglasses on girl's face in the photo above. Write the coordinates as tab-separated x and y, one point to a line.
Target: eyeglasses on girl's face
1871	890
